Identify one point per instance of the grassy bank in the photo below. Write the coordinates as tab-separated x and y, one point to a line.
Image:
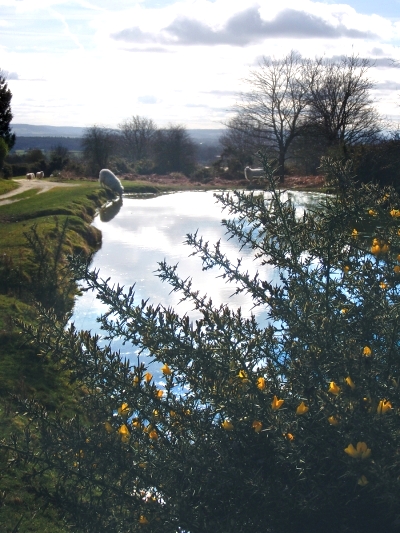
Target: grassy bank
40	219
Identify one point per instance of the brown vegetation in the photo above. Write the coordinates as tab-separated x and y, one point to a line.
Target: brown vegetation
291	182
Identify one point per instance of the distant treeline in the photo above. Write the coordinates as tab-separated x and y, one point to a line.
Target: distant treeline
47	144
138	147
207	150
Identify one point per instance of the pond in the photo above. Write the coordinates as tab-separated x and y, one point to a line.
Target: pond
140	232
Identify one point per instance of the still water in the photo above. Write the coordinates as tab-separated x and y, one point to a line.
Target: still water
141	232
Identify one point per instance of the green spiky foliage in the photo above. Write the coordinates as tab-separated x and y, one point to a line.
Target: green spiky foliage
290	426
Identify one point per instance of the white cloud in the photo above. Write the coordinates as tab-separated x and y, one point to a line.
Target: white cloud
180	62
244	28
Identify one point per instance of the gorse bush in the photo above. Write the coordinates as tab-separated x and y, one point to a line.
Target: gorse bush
290	426
51	283
43	275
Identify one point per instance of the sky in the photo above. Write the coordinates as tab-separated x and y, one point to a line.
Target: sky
86	62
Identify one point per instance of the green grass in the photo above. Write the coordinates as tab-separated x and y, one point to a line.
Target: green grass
77	203
22	371
7	186
22	195
58	200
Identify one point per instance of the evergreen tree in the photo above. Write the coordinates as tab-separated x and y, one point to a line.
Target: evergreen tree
174	150
5	112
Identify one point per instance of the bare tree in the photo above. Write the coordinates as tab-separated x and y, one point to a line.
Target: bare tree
98	144
240	142
137	134
275	104
340	104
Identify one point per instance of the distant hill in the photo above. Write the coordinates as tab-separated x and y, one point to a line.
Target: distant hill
29	130
206	136
46	144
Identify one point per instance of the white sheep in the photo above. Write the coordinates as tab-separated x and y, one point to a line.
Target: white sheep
251	173
40	174
30	176
109	179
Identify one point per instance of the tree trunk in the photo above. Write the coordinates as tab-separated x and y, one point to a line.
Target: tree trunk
281	168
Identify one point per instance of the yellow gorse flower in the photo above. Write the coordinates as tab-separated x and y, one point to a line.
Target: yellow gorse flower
360	452
350	382
261	384
242	374
346	269
379	247
148	377
276	404
302	409
227	425
354	233
166	370
124	432
159	393
372	212
289	436
375	249
333	388
123	410
395	213
153	435
136	381
257	426
383	285
367	351
383	407
333	420
362	481
396	269
143	520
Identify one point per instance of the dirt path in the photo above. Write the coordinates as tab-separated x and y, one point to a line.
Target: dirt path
26	185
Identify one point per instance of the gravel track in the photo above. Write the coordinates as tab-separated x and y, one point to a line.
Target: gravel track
26	185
